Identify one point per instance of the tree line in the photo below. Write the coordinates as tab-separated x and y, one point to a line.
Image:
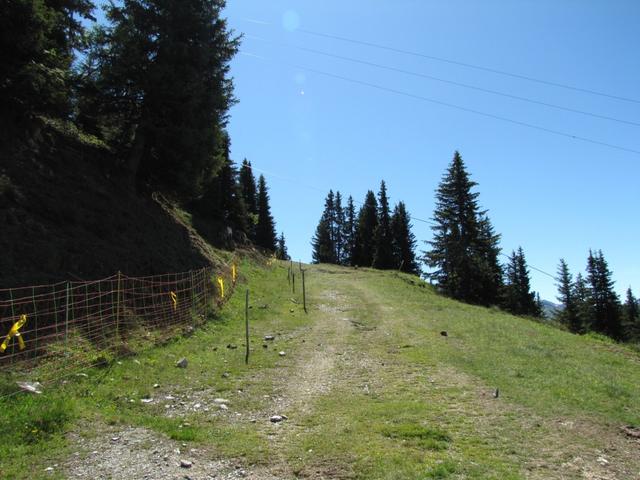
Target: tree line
590	303
373	236
151	84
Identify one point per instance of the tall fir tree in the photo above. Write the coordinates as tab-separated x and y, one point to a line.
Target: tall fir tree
222	200
162	68
265	228
349	232
383	237
404	241
632	317
38	40
250	195
463	250
364	245
281	248
339	221
605	305
582	297
518	297
323	242
569	315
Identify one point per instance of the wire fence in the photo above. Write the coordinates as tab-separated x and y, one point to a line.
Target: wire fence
85	322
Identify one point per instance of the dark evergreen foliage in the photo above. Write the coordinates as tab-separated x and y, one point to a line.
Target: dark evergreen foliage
365	232
569	315
632	317
383	237
463	253
161	70
265	228
339	223
38	39
323	242
517	295
349	233
281	249
404	241
604	302
250	195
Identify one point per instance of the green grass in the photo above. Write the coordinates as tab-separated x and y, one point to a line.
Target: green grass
400	400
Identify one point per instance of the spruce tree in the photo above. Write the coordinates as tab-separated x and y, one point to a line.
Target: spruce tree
518	297
281	248
582	296
605	304
249	193
365	232
162	68
463	253
349	233
38	40
383	237
632	317
339	222
265	228
404	241
569	315
323	242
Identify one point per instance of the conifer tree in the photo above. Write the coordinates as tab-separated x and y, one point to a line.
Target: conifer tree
349	232
339	222
632	317
383	249
463	253
582	297
323	242
365	231
249	193
38	40
222	200
163	73
404	241
265	228
605	305
569	315
281	248
518	297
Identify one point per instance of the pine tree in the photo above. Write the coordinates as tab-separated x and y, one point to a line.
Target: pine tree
349	233
339	220
222	200
163	73
632	317
404	241
518	297
38	40
383	237
265	228
605	305
464	249
582	297
569	315
281	248
323	242
249	194
365	232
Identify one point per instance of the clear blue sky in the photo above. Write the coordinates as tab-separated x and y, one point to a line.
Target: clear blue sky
554	196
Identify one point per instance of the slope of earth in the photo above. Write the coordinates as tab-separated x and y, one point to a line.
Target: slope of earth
65	214
367	385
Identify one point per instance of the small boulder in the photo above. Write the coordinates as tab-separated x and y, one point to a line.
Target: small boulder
232	346
443	333
276	418
186	464
182	363
282	354
269	337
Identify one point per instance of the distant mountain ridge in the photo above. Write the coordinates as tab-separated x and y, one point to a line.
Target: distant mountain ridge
551	309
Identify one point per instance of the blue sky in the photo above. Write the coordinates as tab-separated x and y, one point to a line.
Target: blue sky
554	196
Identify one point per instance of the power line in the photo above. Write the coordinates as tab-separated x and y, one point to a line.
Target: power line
532	267
450	82
450	105
467	65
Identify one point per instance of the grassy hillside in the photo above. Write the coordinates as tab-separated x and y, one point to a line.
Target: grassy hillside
369	386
